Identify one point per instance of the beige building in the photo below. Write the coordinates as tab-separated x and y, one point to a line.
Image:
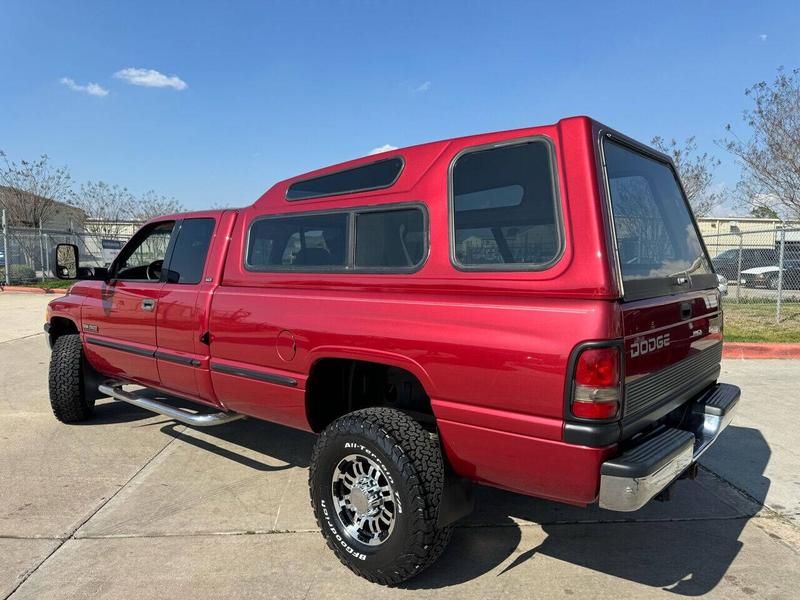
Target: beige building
22	206
726	233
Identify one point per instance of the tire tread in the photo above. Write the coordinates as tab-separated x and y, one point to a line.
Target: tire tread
67	395
417	454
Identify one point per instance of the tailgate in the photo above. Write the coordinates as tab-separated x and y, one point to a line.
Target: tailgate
673	348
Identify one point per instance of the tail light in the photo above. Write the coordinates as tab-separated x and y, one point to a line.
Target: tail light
597	386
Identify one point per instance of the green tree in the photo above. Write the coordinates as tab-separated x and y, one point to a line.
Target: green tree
764	212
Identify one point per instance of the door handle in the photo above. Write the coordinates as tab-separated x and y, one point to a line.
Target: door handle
148	304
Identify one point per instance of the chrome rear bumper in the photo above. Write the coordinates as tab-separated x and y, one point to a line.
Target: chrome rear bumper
629	481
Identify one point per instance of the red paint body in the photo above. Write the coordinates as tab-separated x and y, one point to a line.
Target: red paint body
491	349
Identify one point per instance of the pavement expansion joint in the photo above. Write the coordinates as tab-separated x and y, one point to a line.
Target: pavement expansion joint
63	540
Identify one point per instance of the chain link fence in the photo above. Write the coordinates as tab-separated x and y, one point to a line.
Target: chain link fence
27	254
762	268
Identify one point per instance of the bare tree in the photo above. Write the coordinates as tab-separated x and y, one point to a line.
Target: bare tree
770	158
31	190
151	205
696	172
114	207
111	206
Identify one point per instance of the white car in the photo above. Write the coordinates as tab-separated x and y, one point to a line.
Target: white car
768	276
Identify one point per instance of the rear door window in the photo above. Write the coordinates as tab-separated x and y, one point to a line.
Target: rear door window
191	249
504	208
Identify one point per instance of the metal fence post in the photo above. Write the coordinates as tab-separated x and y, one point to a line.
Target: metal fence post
6	257
47	254
780	275
41	249
739	269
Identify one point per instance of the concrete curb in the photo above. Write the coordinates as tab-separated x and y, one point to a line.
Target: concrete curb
31	290
753	350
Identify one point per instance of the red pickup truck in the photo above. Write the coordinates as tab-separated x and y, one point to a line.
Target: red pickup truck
532	309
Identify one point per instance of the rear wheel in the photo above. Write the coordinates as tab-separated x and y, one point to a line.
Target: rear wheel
68	396
376	481
772	282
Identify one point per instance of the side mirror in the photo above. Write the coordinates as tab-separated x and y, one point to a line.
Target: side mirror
722	284
68	267
67	261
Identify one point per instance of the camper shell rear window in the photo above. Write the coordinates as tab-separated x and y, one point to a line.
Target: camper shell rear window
373	176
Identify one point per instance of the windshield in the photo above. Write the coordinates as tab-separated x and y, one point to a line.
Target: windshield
656	237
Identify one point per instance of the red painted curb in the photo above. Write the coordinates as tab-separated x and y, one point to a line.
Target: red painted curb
31	290
753	350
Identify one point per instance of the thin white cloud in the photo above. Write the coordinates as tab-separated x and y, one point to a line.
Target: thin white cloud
93	89
384	148
150	78
423	87
762	37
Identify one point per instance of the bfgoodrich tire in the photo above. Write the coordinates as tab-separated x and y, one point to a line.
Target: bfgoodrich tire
68	396
376	481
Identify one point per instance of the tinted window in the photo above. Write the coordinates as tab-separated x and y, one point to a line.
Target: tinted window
191	248
504	207
299	242
390	238
373	176
656	237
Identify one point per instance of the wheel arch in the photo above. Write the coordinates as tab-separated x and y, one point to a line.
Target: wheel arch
330	384
61	326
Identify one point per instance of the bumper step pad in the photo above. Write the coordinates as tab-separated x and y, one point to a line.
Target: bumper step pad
630	480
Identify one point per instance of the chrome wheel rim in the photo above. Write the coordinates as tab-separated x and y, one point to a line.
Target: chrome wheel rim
363	499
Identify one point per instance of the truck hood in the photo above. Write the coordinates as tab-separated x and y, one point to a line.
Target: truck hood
760	270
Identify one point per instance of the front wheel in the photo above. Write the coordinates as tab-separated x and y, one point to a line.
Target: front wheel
68	397
376	481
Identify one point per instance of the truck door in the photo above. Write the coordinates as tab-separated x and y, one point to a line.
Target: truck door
119	324
181	313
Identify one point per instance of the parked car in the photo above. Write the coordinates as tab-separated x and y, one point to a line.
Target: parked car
532	310
768	277
727	262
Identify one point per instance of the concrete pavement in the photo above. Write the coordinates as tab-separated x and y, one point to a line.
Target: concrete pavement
132	505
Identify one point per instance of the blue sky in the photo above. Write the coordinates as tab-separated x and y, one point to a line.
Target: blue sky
270	90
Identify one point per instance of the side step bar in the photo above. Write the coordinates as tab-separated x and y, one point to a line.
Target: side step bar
179	414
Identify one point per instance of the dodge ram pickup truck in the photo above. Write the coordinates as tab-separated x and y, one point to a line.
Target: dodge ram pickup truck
531	309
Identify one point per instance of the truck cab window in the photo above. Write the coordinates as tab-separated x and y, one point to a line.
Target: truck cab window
143	258
191	248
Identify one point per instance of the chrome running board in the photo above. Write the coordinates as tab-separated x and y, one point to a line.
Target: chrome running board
178	414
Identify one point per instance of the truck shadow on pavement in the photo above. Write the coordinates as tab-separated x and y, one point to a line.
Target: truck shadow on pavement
684	546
